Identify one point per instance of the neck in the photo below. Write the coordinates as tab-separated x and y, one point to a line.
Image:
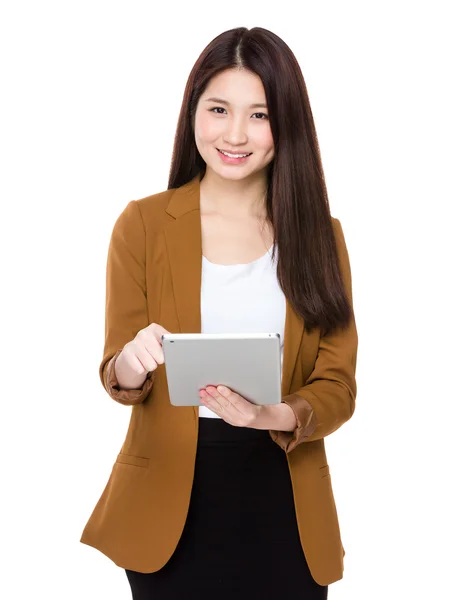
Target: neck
238	198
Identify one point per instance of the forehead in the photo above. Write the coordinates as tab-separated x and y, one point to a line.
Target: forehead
237	86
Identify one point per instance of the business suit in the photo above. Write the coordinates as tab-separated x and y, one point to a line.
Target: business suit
154	275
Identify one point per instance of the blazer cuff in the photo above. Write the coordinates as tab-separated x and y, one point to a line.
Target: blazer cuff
135	396
306	424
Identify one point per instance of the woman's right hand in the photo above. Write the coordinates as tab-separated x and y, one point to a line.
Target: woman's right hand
140	356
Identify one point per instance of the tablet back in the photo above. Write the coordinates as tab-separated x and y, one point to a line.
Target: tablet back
247	363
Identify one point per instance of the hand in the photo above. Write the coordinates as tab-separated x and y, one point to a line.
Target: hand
232	407
140	356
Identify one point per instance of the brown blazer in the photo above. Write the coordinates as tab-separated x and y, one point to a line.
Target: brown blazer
154	275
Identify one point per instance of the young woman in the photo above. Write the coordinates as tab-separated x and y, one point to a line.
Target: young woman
230	499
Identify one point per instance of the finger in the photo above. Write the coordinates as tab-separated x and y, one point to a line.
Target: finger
156	351
225	404
138	351
239	405
149	359
210	402
225	396
137	365
150	344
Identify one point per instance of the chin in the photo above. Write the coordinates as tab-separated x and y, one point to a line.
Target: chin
233	172
234	176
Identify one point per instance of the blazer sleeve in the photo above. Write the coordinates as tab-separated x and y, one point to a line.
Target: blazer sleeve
327	400
125	301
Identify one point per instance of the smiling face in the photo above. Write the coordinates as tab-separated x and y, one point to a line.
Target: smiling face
231	115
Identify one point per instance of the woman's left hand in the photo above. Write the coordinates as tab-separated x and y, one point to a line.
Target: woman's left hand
232	407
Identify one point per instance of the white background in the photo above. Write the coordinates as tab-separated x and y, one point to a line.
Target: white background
90	97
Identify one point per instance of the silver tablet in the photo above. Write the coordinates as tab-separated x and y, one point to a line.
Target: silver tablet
247	363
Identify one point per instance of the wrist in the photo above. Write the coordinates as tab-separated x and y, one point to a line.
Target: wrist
279	417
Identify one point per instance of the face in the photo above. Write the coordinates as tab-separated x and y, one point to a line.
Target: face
226	119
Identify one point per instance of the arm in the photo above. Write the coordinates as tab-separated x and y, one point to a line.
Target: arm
125	302
327	400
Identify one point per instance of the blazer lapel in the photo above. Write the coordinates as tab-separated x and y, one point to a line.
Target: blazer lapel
184	246
183	240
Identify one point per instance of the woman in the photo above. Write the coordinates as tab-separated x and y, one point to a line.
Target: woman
229	499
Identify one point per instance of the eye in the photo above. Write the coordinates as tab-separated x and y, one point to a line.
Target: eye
221	108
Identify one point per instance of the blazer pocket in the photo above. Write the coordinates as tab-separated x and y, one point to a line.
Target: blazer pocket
130	459
324	471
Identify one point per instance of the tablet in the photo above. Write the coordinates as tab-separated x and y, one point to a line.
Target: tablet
247	363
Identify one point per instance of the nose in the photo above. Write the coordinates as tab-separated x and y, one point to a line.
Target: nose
236	134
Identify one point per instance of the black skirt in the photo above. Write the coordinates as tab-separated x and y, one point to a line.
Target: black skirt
240	539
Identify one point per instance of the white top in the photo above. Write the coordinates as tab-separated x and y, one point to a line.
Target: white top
242	298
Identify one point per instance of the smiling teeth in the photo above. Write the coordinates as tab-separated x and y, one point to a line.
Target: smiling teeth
234	155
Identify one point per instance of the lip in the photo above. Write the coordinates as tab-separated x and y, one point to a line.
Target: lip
233	161
233	151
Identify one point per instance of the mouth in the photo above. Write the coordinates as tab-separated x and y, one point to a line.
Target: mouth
234	159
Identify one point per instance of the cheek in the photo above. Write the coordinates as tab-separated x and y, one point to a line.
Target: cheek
265	139
206	129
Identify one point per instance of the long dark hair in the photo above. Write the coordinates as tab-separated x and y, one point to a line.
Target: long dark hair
297	203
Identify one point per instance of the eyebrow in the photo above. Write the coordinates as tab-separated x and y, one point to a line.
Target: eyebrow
221	101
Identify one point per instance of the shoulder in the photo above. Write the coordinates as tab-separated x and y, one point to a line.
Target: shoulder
337	226
337	229
339	237
152	208
143	214
335	222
